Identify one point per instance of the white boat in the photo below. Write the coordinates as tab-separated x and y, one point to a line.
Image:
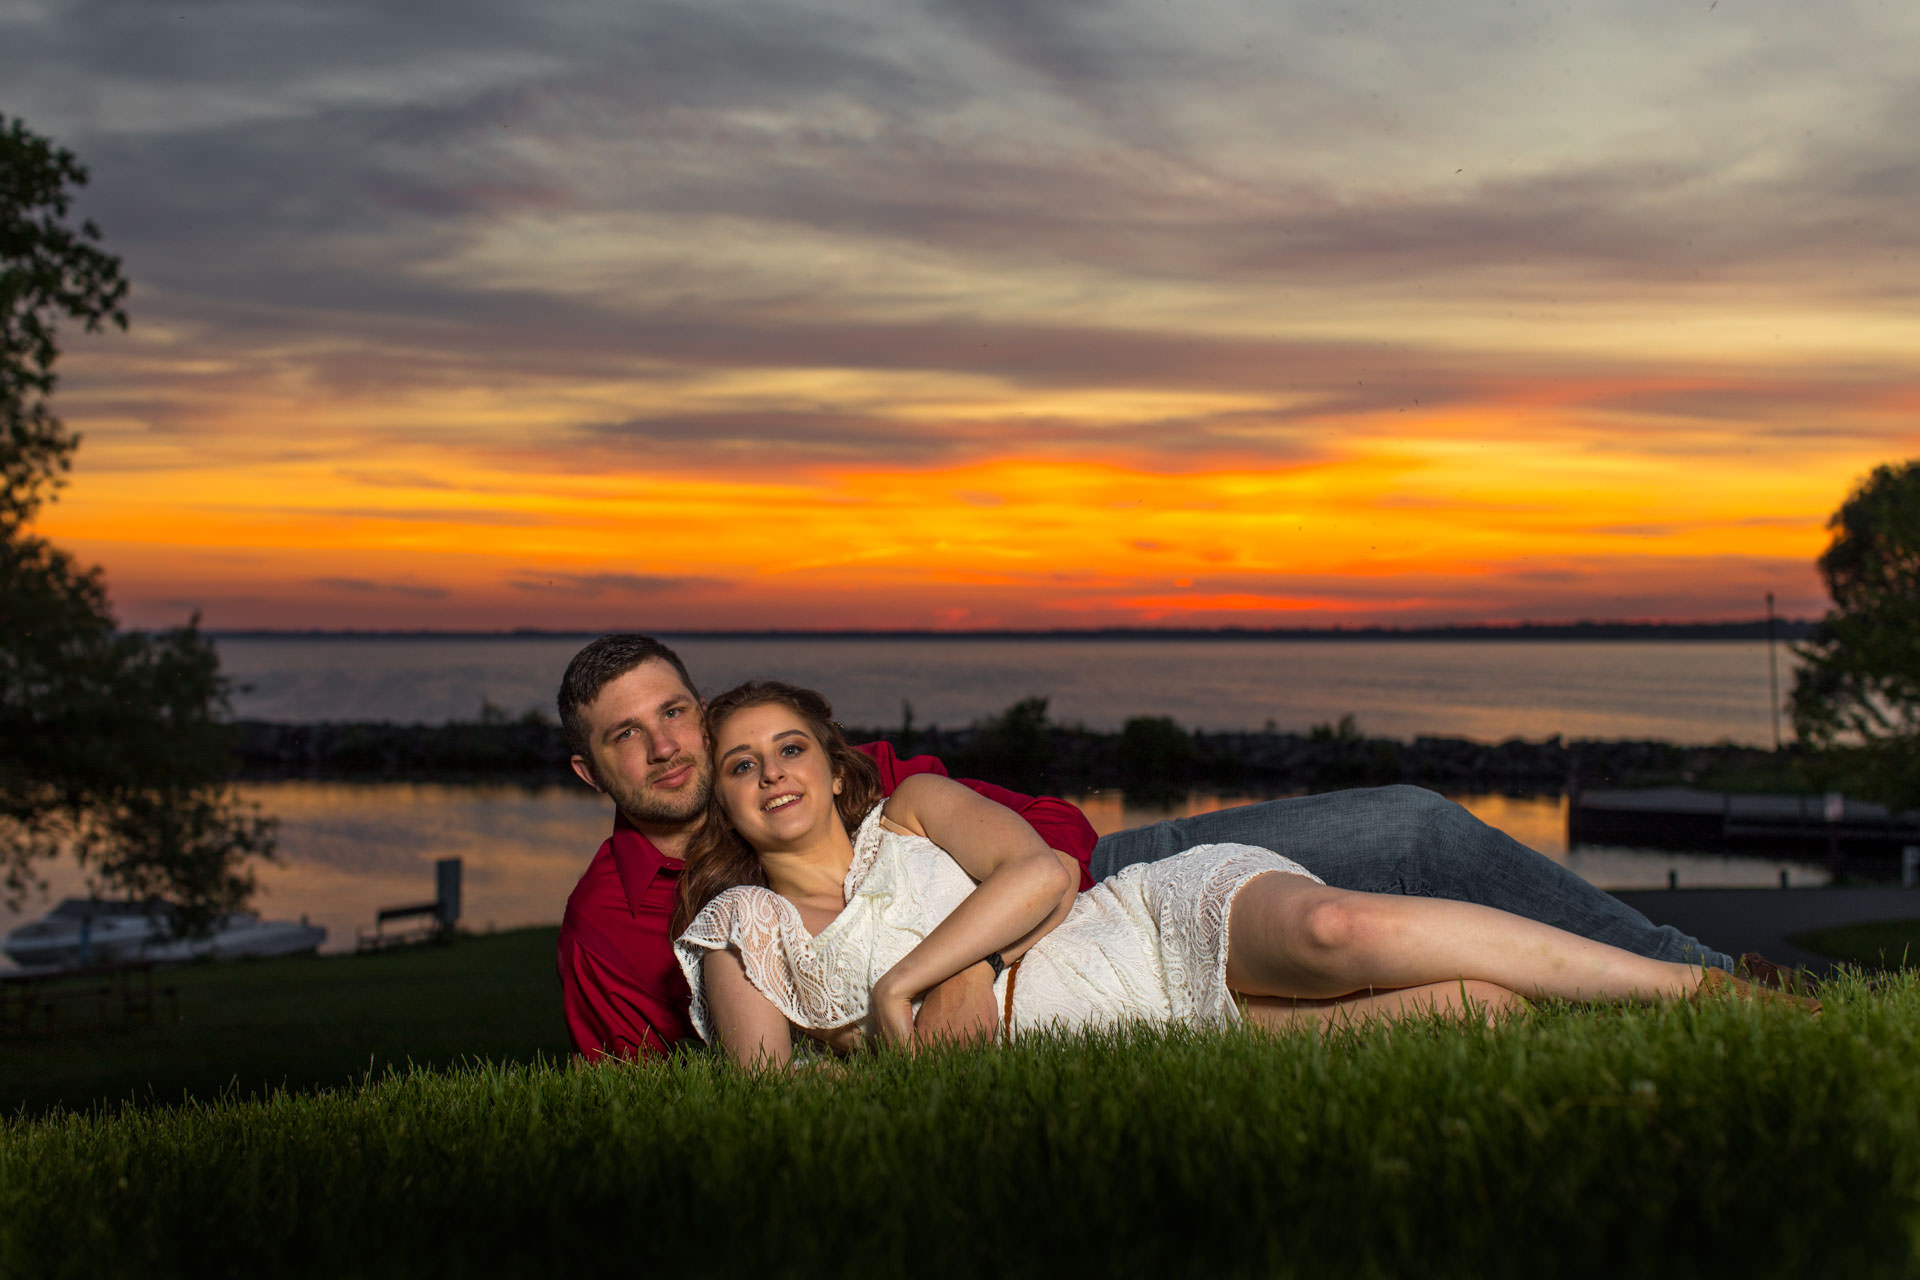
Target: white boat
242	934
90	931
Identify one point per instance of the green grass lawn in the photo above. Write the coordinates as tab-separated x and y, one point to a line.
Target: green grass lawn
303	1022
1677	1141
1877	944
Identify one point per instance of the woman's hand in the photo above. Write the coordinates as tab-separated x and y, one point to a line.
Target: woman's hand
892	1015
1020	885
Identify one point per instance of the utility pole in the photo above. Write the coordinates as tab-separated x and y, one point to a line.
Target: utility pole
1773	674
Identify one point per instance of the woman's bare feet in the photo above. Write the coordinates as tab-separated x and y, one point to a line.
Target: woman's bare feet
1718	984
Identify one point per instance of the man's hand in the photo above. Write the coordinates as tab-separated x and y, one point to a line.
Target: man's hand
843	1041
961	1009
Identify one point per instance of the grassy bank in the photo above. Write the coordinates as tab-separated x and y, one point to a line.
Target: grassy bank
1673	1142
300	1023
1877	944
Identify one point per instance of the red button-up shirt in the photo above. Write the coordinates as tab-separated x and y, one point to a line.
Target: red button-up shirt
620	985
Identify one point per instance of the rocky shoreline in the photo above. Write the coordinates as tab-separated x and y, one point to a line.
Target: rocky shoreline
1148	756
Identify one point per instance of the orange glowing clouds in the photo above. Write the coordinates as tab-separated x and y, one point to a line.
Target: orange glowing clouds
858	497
1417	521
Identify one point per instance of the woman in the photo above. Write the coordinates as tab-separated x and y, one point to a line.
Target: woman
809	903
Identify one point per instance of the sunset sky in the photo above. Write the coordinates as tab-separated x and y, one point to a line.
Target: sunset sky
980	313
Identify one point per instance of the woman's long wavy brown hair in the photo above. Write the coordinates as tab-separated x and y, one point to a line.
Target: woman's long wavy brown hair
717	858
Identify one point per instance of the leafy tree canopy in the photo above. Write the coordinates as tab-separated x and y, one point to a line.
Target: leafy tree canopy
48	272
1858	687
112	743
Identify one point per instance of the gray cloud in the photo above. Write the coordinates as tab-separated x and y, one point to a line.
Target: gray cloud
1055	40
592	586
275	175
1637	530
774	439
369	586
1676	528
769	441
195	604
447	515
1763	398
391	478
268	58
416	128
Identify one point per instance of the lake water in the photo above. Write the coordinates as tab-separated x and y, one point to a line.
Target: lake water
348	849
1678	691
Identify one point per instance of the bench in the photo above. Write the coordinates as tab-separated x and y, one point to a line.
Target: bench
423	921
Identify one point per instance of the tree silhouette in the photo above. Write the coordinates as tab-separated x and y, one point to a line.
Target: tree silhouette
1858	688
113	745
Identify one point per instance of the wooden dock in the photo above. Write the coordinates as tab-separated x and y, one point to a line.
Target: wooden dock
1682	818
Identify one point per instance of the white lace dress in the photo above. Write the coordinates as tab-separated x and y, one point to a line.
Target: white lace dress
1148	944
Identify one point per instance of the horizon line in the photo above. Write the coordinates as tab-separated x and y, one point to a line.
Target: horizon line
1754	628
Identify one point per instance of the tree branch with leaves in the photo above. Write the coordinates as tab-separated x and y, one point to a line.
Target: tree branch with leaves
1857	692
114	746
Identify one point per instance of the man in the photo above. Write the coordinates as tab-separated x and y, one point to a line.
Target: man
636	730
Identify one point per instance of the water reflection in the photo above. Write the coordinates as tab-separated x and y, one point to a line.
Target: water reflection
348	849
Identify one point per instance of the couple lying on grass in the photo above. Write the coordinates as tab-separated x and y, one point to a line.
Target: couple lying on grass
809	884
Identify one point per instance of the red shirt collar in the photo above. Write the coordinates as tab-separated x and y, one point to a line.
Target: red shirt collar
636	860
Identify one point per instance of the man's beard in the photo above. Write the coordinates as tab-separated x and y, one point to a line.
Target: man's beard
643	807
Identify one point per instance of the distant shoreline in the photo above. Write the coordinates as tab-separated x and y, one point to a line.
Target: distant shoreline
1783	629
1149	756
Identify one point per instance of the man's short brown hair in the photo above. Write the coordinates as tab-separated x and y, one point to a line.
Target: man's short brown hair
599	665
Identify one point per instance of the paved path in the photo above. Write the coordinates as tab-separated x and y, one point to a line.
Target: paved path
1737	920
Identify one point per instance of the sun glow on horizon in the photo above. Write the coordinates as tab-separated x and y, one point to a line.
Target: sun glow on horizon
1420	524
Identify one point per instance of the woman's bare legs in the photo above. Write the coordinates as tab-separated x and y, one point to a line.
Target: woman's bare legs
1292	937
1468	1001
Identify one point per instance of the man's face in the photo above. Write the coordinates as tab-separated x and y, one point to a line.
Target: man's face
649	747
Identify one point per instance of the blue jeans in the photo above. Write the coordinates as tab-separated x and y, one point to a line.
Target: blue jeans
1408	840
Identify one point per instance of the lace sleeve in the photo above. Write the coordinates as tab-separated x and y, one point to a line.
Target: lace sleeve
777	953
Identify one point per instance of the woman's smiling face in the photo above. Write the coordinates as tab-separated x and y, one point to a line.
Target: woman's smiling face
774	778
